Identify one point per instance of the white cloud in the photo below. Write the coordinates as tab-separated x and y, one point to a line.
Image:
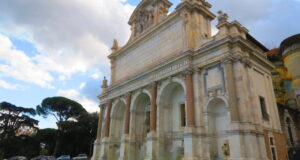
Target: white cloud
88	104
95	76
62	78
73	35
9	86
82	85
19	66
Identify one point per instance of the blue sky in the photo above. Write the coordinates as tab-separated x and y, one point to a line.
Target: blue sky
59	47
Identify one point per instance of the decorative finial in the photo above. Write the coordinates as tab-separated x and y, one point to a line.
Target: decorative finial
115	46
223	17
104	83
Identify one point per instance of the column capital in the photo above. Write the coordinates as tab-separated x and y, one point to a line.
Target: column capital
126	95
153	84
230	59
188	71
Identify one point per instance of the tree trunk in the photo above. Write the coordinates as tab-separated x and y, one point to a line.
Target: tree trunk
58	141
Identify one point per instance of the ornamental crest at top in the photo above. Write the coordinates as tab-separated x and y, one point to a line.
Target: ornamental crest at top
147	14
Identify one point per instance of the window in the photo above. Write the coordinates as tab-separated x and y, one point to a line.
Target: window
263	108
182	115
273	148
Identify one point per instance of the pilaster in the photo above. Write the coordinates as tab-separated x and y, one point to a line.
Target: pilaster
231	88
96	150
108	118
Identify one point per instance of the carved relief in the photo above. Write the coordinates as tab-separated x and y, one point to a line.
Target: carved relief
147	14
144	20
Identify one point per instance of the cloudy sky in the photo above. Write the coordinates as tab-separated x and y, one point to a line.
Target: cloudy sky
59	47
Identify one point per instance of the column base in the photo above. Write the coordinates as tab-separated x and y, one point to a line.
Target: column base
96	150
190	144
151	139
189	158
104	148
124	150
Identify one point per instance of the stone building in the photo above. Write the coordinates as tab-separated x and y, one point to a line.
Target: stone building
287	93
178	93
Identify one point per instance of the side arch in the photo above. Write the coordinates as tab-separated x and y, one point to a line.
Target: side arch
218	121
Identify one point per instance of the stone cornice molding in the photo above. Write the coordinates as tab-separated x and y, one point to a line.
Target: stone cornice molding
196	6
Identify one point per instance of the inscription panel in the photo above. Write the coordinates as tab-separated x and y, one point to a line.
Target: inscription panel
155	50
214	78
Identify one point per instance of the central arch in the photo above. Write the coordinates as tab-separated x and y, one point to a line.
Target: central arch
172	120
140	125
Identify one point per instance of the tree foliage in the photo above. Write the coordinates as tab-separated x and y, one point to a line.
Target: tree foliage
78	137
76	131
13	121
13	118
61	108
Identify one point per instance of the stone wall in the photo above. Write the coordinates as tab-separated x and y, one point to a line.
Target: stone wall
280	144
152	51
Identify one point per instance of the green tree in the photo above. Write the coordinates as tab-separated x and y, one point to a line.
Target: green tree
13	120
79	133
63	109
48	137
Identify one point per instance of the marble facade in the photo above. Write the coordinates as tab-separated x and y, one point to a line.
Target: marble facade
178	93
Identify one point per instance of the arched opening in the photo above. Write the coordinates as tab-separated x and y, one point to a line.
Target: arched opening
140	124
218	121
172	120
116	129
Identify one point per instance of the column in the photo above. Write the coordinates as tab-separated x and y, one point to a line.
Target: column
105	142
190	140
125	144
100	123
152	145
190	98
127	114
96	150
107	122
153	111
